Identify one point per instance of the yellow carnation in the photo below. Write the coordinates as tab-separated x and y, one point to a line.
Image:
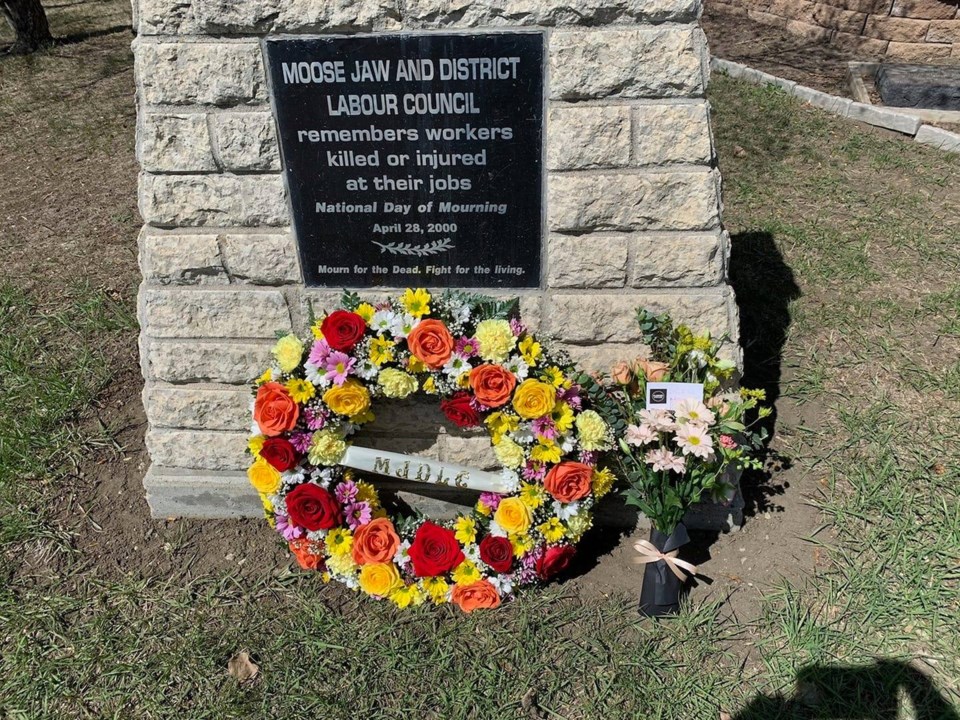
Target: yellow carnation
509	453
288	352
351	398
379	578
342	564
579	524
592	430
264	476
397	384
326	448
534	399
513	515
496	339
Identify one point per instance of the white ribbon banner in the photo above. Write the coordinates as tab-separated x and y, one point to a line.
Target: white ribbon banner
425	470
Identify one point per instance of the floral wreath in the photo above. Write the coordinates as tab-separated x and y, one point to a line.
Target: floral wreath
478	358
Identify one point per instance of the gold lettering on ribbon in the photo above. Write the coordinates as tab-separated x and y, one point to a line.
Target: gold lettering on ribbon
423	473
404	471
381	465
461	479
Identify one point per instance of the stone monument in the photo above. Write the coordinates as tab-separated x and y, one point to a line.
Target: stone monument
555	150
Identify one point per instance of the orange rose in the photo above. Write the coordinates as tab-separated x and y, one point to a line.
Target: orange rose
480	594
431	342
492	384
309	553
375	542
568	481
652	370
274	411
621	373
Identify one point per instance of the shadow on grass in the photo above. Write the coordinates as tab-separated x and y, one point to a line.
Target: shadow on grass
765	287
870	692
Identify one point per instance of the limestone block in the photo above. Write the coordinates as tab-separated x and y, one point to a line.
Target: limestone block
830	103
460	13
680	259
174	143
473	451
587	261
882	117
164	17
214	200
203	494
665	134
260	16
588	137
203	73
634	201
198	408
246	141
602	358
896	29
181	259
939	138
944	31
198	449
917	52
638	63
261	258
169	312
587	319
221	361
924	9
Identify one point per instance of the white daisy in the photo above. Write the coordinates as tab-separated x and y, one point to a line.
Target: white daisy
402	325
694	440
366	370
518	367
694	411
495	529
382	321
565	512
503	584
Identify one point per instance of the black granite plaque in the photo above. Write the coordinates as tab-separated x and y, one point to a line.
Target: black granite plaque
413	160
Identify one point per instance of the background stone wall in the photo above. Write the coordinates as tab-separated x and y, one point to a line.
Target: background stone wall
907	30
633	209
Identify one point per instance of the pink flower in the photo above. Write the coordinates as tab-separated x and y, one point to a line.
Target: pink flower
346	492
319	352
301	441
640	435
534	470
358	514
660	420
728	442
286	528
491	500
517	327
316	419
338	366
663	459
545	428
466	347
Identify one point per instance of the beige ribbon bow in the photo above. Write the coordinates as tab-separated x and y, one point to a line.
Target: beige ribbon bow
649	554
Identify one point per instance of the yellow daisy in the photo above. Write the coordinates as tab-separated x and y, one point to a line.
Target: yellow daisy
416	302
300	390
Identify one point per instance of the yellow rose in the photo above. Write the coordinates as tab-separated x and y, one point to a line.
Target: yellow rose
288	352
513	515
534	399
379	578
351	398
264	476
592	430
326	448
496	339
509	453
397	384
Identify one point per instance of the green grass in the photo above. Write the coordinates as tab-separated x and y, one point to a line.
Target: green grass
50	370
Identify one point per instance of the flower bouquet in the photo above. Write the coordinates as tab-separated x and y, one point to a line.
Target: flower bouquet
673	457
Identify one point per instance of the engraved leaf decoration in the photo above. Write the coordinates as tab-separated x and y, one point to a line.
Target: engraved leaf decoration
430	248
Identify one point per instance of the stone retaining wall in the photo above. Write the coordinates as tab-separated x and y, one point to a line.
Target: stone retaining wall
907	30
633	208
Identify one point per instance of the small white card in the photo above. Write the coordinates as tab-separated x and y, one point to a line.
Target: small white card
666	396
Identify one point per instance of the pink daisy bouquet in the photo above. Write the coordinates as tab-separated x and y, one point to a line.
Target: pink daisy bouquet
674	458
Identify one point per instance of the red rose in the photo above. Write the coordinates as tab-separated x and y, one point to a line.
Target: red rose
343	329
279	453
555	560
497	552
313	508
434	551
459	411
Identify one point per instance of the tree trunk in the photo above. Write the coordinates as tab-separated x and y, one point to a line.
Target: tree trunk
29	22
